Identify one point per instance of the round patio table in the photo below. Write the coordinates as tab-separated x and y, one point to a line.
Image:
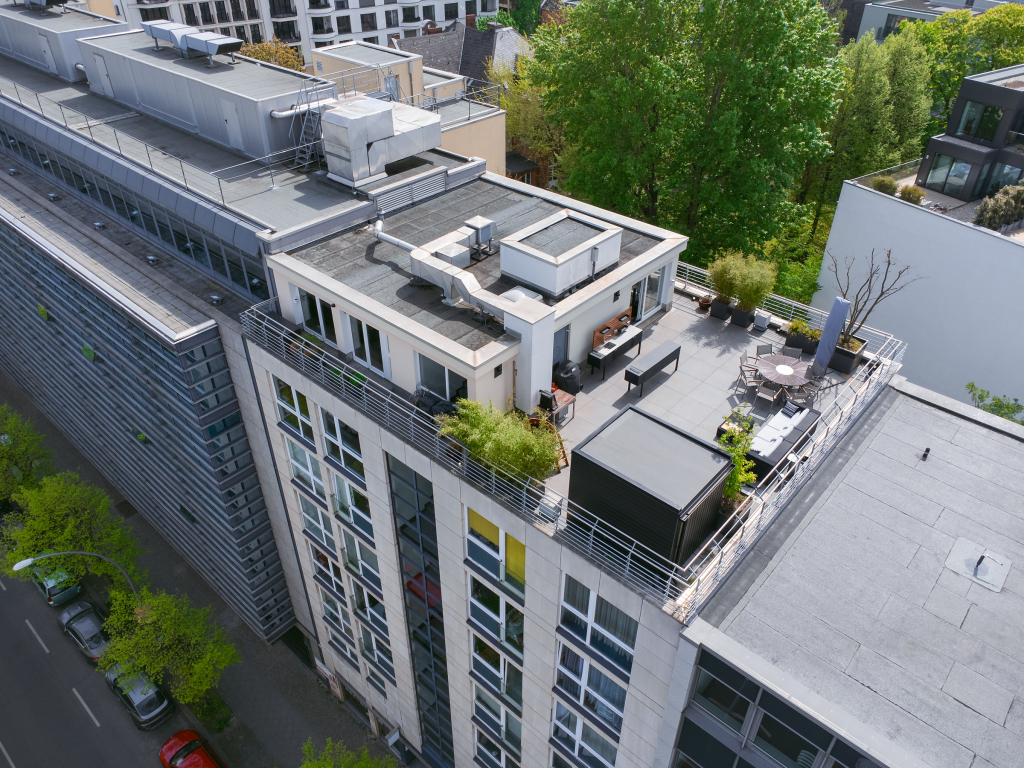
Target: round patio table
784	370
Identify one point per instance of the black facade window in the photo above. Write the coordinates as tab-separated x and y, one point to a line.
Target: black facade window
322	25
470	7
257	33
153	14
279	8
366	3
368	21
252	9
979	121
205	14
236	10
240	33
286	31
948	175
222	12
344	25
190	15
451	11
371	40
390	19
341	5
409	15
428	12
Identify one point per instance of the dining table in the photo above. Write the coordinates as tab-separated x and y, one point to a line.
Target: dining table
783	370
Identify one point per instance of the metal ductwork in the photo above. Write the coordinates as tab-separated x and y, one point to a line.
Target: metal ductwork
380	234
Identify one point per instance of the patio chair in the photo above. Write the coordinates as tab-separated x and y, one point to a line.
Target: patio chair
792	352
749	376
763	349
802	396
761	321
768	394
745	362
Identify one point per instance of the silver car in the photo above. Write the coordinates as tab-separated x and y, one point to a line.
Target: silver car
147	703
83	623
56	586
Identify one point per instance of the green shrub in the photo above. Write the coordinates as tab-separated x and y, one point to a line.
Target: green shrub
799	326
503	438
754	280
723	273
1005	207
911	194
884	184
737	442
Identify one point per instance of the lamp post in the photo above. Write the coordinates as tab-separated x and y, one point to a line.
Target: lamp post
26	563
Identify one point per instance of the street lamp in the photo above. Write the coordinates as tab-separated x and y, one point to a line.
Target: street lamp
27	562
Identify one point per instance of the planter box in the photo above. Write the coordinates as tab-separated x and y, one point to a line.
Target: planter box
845	361
719	310
806	343
742	318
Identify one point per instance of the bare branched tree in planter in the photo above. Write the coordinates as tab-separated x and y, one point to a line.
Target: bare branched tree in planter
886	277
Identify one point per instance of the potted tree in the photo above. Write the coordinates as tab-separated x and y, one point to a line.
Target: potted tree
885	277
800	334
754	280
723	280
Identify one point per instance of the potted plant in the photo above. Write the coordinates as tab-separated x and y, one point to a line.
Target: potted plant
754	280
800	334
723	280
704	303
885	277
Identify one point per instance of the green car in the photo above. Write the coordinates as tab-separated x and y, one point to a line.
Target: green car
57	587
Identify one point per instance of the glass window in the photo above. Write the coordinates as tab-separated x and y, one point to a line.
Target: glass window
497	670
489	753
342	443
714	696
499	719
293	408
344	25
451	11
317	316
369	609
979	121
582	740
368	22
351	504
376	651
335	613
470	7
428	12
497	615
500	554
441	381
327	569
390	18
362	560
948	175
409	15
368	344
698	749
783	744
603	626
1003	175
584	683
317	523
306	470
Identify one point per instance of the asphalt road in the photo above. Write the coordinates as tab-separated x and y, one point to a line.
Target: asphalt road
55	707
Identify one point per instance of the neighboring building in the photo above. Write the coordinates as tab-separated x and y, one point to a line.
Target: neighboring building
976	156
467	50
885	17
472	121
522	169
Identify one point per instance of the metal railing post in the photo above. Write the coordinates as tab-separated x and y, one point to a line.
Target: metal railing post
149	157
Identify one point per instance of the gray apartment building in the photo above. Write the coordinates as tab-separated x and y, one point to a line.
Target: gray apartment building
859	609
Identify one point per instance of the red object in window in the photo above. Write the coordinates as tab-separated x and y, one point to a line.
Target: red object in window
187	749
433	596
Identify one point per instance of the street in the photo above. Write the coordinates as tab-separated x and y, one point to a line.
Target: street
55	707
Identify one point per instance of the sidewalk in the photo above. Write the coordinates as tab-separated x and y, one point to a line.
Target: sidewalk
277	701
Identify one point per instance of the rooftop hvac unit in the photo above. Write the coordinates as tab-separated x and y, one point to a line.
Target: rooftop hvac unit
165	30
210	43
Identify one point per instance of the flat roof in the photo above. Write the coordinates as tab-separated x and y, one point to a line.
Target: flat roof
852	595
244	77
436	76
662	459
381	271
561	237
365	53
55	19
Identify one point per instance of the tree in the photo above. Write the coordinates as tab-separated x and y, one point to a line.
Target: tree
737	440
908	72
525	17
527	127
62	513
998	35
23	460
998	406
336	756
274	52
168	639
883	280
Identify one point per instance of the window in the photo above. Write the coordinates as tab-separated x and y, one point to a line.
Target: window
351	505
153	14
306	470
369	609
371	40
599	623
190	15
697	748
470	7
237	13
375	651
340	647
317	523
240	33
205	13
979	121
317	316
327	569
409	15
497	670
582	740
723	692
341	5
1003	175
439	380
222	12
286	30
390	18
451	11
257	33
335	613
497	616
293	408
368	22
501	555
585	683
490	753
252	10
428	12
322	26
361	560
786	735
342	443
499	720
948	175
368	344
344	25
411	33
367	3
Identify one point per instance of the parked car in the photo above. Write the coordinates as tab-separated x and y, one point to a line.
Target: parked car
57	587
147	703
83	623
187	749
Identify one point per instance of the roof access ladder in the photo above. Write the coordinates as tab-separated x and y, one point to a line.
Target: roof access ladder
305	129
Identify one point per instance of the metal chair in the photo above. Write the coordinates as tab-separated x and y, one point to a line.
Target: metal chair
768	394
763	349
745	362
749	376
792	352
802	396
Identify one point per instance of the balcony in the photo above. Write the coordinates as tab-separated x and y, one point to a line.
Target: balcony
414	23
682	590
320	7
280	10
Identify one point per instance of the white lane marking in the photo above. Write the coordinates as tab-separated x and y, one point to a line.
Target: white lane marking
86	706
4	589
37	636
9	761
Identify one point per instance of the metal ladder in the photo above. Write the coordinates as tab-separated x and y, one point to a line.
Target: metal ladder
308	132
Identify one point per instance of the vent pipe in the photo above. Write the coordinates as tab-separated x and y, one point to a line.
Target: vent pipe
378	232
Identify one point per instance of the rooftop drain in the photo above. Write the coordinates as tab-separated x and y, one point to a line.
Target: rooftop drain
53	197
978	564
153	260
98	225
216	299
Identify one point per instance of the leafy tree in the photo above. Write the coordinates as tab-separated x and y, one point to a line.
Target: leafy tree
998	35
62	513
505	19
998	406
527	127
336	756
274	52
908	72
23	460
525	17
737	442
168	639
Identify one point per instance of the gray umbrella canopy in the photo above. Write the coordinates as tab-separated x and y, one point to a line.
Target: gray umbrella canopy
830	334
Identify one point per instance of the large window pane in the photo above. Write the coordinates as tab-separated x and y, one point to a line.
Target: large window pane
784	745
938	172
958	174
720	700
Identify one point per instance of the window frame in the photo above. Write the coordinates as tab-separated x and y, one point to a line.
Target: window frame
343	621
986	109
488	758
314	480
324	311
348	510
318	527
359	330
584	687
356	563
378	652
575	735
487	716
451	393
338	448
365	20
479	549
448	11
496	623
293	408
362	606
486	669
336	581
591	625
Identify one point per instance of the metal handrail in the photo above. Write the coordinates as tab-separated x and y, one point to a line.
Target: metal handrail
681	590
893	171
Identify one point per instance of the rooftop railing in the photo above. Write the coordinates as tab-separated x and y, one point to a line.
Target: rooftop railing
681	590
900	171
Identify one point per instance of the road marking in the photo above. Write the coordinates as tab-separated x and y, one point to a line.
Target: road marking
4	589
86	706
37	636
9	761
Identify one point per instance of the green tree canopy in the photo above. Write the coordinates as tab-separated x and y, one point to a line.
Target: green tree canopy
998	35
527	127
274	52
908	71
525	17
167	638
694	115
998	406
63	513
23	460
335	755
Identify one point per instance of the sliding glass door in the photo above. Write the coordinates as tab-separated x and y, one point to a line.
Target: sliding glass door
370	347
317	317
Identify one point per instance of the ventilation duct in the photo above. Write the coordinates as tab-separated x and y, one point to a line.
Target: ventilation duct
211	44
170	31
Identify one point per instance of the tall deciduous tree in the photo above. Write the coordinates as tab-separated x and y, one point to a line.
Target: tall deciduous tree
168	639
525	16
908	72
23	460
998	35
62	513
335	755
527	127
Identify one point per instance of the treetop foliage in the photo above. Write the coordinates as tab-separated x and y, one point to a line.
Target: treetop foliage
23	460
335	755
274	52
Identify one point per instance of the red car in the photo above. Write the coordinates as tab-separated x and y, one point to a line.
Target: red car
187	749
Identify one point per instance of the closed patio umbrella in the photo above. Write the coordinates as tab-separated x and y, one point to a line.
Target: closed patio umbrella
830	333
